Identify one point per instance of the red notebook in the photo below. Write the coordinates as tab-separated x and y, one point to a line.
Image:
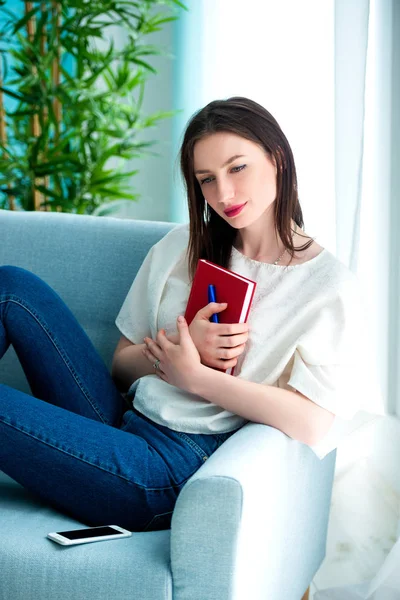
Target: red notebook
230	287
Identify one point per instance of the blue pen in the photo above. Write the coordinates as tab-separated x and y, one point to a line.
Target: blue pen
212	298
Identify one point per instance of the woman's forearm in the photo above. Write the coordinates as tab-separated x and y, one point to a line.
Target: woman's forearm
129	365
291	412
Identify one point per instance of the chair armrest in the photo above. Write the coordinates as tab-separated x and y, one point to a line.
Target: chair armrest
252	521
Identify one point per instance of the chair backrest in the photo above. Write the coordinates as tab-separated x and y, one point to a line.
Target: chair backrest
89	261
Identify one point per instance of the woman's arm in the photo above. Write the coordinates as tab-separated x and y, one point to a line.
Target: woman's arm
291	412
129	364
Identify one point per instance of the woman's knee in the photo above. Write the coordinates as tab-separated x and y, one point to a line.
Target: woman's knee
23	285
14	278
11	272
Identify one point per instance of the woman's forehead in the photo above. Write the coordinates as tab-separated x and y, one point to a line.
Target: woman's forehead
222	146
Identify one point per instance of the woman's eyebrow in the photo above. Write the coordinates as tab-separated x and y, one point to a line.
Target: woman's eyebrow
201	171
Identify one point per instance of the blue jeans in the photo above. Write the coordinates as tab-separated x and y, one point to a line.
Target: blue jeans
74	442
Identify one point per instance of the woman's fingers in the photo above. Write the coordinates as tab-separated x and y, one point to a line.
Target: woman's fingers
221	352
232	341
151	358
230	328
226	364
228	353
152	352
219	349
149	355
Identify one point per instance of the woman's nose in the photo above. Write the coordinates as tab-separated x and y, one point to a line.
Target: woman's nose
225	191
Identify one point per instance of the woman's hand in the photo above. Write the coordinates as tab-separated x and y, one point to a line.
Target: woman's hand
179	364
218	344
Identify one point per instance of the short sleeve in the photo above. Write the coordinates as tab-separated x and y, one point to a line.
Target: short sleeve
132	321
137	317
333	366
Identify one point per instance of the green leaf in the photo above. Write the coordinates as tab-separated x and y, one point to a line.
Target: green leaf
145	65
112	178
181	5
18	96
161	21
48	192
114	193
22	22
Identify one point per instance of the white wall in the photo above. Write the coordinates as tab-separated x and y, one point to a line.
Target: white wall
153	181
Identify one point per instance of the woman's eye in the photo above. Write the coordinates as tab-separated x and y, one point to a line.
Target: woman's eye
234	169
240	168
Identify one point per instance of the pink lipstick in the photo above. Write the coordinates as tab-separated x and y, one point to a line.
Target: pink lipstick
234	210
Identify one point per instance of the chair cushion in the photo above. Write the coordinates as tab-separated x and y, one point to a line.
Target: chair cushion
33	567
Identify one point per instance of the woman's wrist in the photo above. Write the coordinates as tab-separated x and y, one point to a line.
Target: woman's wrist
199	380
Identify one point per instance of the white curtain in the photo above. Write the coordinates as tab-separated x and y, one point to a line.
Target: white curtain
367	137
351	43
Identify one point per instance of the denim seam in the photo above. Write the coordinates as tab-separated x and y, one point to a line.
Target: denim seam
193	444
61	353
89	462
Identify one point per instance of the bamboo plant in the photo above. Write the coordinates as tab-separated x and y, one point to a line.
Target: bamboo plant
77	114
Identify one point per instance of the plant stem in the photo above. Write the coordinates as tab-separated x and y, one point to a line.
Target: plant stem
31	27
55	72
45	114
56	65
3	134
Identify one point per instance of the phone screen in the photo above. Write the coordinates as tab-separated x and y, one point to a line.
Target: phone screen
78	534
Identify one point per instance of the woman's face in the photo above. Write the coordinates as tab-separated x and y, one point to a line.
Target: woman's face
237	178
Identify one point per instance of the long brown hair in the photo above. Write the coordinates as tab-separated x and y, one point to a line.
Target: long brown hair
211	237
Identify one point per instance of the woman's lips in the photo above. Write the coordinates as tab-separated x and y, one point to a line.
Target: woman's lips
235	210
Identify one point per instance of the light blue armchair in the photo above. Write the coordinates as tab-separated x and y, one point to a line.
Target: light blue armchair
251	524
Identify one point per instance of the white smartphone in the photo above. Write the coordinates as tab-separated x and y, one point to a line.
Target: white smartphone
90	534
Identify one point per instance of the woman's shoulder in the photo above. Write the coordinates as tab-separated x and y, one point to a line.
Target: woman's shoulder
169	249
339	285
329	261
325	277
302	256
178	236
300	238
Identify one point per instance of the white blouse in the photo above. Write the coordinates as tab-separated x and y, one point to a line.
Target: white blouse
307	332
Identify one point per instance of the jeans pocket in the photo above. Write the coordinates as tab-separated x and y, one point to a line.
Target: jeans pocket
191	438
204	445
159	522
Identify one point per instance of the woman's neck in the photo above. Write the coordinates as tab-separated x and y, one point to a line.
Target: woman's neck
263	246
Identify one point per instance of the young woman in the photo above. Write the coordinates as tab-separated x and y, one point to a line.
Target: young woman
74	443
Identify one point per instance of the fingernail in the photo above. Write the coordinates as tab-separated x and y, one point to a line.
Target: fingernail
181	319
